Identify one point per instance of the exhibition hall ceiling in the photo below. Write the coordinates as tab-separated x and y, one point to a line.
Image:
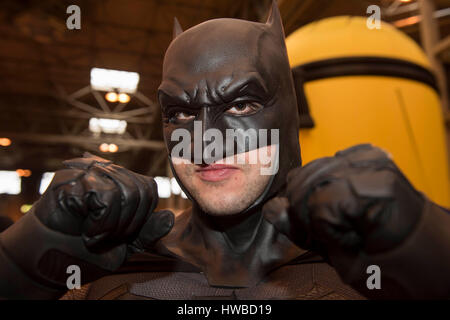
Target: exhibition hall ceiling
44	68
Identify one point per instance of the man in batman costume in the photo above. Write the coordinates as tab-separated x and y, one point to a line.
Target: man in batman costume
302	233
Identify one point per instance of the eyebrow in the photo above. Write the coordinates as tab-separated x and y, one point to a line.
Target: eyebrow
167	100
251	86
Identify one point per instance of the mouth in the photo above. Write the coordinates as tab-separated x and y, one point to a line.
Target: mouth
216	172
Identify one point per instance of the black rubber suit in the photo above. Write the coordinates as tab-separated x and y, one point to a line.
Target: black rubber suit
311	234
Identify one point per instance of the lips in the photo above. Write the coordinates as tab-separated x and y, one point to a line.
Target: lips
216	172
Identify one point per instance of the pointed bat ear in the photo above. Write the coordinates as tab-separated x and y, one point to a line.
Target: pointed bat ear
176	28
274	20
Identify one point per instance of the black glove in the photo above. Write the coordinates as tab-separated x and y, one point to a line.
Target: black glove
355	203
105	204
92	215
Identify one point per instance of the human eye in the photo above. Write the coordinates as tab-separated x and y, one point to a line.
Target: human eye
244	108
180	116
184	116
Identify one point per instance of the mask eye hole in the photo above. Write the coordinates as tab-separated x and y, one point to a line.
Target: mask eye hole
184	116
243	108
180	116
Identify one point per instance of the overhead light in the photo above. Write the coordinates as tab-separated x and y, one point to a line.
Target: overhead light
114	97
105	147
175	187
415	19
25	208
113	147
123	98
164	187
111	80
112	126
5	142
111	97
46	179
10	182
168	186
23	173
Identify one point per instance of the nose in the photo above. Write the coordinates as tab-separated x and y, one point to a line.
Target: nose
208	141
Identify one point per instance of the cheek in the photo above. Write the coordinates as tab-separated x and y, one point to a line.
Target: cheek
183	171
254	180
239	182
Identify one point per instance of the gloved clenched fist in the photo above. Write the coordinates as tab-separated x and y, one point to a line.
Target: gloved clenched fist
93	214
107	205
357	201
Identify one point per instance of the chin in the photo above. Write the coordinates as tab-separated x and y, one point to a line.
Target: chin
223	207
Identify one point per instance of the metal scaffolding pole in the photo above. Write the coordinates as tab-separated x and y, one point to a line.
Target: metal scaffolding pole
430	38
